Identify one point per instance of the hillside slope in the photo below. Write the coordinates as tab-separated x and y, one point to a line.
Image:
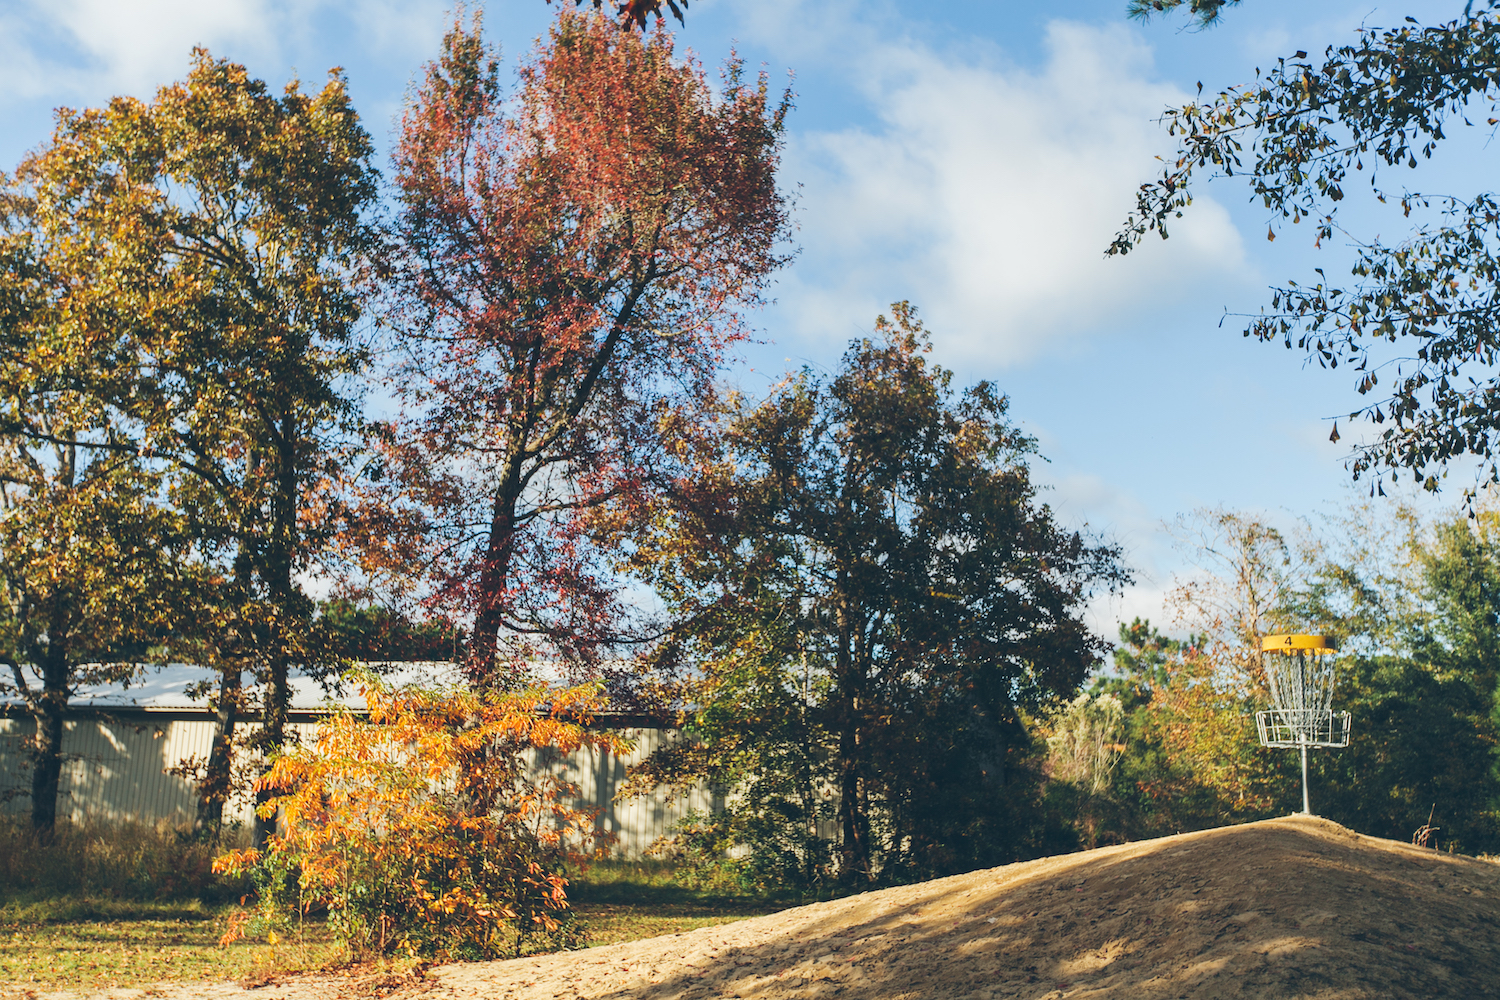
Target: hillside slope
1286	908
1280	910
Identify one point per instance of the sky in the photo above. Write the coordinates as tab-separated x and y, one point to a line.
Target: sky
972	158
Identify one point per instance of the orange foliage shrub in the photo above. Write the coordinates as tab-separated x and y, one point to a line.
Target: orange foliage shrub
419	827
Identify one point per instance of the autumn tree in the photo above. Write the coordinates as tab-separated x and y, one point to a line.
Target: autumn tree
93	568
1244	578
1245	582
1152	790
93	563
881	585
205	246
1412	607
420	827
1417	321
572	259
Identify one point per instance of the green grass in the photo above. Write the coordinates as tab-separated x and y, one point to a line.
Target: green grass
81	945
88	945
128	904
627	901
99	922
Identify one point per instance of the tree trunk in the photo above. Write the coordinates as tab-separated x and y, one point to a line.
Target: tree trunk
46	751
483	667
214	789
277	577
272	738
494	578
854	845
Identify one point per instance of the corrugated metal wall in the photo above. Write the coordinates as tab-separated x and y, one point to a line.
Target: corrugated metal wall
117	769
636	822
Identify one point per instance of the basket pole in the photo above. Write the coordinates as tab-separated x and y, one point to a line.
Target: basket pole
1306	808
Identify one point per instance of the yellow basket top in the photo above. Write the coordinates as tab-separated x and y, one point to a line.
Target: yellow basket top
1316	644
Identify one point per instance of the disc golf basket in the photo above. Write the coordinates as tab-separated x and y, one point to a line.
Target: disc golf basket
1299	670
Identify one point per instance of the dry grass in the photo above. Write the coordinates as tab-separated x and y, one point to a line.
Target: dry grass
126	904
163	944
110	861
132	905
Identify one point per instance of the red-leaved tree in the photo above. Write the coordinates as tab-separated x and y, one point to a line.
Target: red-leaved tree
573	259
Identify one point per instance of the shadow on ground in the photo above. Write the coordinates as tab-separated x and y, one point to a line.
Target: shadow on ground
1282	909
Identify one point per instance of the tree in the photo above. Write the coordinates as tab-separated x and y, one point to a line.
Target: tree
1084	749
206	246
1142	663
1247	583
571	262
93	563
1149	793
880	589
372	633
1205	12
1460	573
1417	609
1301	135
753	722
1413	610
419	828
1244	584
633	13
1423	746
92	571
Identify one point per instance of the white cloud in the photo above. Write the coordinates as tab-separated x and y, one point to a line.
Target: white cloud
987	196
135	47
86	50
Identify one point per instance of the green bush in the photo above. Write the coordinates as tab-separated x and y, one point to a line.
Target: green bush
764	854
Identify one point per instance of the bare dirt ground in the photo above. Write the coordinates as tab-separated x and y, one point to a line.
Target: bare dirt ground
1288	908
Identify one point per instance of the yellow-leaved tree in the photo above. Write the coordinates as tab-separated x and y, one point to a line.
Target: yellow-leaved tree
1246	584
421	827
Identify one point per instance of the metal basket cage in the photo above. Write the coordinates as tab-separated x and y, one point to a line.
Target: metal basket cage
1299	672
1293	728
1301	679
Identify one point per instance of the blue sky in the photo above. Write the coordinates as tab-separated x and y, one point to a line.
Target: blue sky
974	158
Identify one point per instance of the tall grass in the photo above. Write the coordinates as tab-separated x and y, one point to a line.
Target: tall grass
125	862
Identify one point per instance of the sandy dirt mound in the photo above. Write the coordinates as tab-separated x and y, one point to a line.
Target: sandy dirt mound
1282	909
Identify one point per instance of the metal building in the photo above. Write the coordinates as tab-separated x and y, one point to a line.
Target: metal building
121	746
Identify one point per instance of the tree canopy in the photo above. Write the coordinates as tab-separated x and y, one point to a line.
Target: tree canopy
201	252
95	570
571	264
875	601
1418	320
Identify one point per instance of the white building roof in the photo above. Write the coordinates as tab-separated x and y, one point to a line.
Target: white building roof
165	688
